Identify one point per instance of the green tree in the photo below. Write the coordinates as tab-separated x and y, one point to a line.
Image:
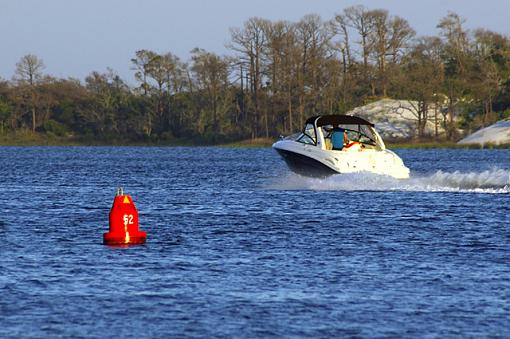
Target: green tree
211	77
491	67
109	93
5	113
142	63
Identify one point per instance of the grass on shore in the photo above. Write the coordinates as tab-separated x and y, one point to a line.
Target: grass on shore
27	138
251	143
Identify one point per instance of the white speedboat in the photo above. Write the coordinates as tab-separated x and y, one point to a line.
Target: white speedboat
332	144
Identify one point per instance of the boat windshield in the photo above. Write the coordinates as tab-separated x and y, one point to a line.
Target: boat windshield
308	136
360	133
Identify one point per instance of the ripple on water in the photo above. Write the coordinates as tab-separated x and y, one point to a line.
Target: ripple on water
238	246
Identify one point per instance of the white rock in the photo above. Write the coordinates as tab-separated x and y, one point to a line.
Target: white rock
498	133
397	118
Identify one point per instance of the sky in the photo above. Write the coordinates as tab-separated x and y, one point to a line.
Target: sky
76	37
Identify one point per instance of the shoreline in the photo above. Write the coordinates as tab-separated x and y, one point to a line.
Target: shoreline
35	140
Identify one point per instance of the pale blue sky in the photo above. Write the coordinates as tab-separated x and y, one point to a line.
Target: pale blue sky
75	37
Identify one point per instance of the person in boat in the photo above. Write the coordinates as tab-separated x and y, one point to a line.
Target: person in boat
338	138
340	141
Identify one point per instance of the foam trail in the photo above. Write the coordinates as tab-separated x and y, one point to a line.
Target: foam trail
489	181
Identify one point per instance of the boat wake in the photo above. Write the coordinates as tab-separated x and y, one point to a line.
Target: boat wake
489	181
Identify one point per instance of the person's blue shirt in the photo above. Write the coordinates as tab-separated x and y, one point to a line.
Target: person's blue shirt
337	138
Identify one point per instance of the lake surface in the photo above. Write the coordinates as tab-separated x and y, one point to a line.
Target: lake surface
240	247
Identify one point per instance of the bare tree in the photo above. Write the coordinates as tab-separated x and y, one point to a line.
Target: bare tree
314	39
250	43
141	66
388	40
282	63
29	70
378	40
424	75
344	46
359	18
342	29
400	37
455	53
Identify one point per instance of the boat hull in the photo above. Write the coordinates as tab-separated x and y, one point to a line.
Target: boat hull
304	165
310	160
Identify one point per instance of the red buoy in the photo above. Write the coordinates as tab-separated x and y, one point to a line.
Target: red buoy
123	222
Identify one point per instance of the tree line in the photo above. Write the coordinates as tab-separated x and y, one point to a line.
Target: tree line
277	74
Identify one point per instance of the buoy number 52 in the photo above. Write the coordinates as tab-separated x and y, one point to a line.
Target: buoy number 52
128	219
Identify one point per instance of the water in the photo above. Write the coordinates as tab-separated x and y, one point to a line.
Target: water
239	247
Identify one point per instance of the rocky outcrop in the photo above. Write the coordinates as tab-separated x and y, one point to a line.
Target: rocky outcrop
397	119
496	134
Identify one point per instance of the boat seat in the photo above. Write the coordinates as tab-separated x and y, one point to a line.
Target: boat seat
353	146
327	144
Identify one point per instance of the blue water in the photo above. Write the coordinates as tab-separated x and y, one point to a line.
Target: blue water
239	247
